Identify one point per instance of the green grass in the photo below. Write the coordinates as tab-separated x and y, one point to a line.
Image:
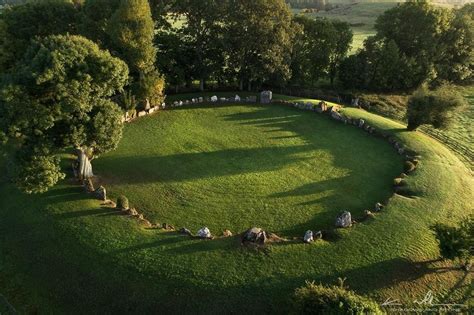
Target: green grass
235	167
62	252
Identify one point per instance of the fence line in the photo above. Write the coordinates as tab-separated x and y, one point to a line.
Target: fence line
465	153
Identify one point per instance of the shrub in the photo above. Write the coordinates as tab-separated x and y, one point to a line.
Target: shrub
434	108
319	299
122	203
456	241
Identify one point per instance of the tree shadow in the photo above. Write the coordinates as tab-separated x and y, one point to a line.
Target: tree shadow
357	188
191	166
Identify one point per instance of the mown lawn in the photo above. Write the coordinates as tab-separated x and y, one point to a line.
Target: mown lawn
62	252
238	166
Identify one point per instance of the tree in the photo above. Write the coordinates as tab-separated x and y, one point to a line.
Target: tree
259	37
20	24
176	58
322	45
131	30
202	30
435	108
456	242
456	61
320	299
95	19
58	97
417	28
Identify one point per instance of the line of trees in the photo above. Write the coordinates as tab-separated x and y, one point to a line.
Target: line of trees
415	43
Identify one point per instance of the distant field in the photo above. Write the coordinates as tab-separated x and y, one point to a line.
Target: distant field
361	17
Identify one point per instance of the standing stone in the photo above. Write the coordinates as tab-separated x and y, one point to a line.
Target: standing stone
254	235
237	98
308	237
201	99
185	231
227	233
344	220
147	104
361	123
101	193
336	116
318	235
323	106
378	207
214	99
266	97
204	233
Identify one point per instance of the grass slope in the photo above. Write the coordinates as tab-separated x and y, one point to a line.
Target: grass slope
62	252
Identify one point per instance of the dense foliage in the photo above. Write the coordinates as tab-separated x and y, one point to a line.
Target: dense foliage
58	97
320	299
456	241
320	47
434	108
415	43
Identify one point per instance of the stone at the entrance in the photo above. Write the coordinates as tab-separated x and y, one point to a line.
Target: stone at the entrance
308	237
344	220
204	233
254	235
266	97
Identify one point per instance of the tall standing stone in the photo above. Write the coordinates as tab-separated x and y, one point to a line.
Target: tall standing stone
266	97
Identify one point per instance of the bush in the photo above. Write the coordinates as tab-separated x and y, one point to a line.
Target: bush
434	108
122	203
456	242
319	299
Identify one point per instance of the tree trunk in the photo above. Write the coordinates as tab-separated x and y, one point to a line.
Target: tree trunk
201	85
250	86
177	88
241	85
85	167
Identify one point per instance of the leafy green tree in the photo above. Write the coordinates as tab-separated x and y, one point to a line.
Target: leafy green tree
150	88
131	30
95	18
259	37
58	98
434	108
176	57
322	45
320	299
203	30
456	242
21	23
417	28
456	60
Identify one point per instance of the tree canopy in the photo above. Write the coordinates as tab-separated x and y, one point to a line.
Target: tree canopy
58	97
